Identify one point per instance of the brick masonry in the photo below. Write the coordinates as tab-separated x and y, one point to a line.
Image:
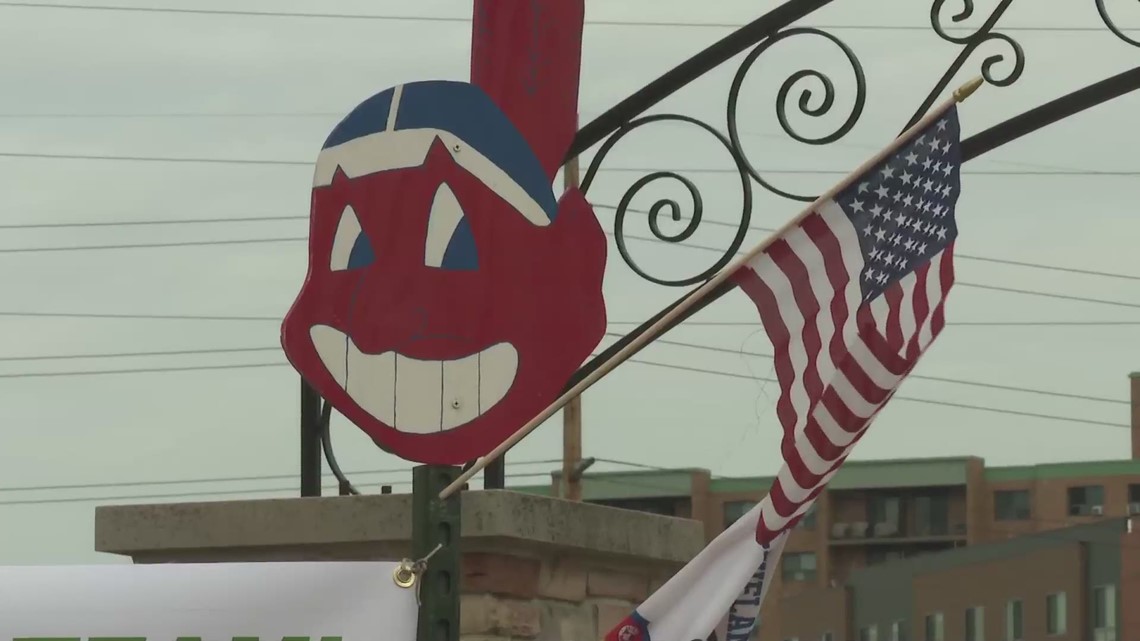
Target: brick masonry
548	599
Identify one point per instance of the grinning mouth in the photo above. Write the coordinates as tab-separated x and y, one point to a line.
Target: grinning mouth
413	395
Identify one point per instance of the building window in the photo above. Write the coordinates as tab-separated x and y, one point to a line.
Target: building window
799	566
733	510
1133	498
975	624
1086	499
1013	621
932	515
808	522
1011	505
898	631
869	633
934	627
1056	613
1104	612
884	510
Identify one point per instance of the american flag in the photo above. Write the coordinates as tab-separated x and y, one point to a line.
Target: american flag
851	297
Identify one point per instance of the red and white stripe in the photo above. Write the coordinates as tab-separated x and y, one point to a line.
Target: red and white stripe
837	361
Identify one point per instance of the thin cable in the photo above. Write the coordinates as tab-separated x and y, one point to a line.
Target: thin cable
458	19
206	243
939	379
129	223
279	477
192	221
690	170
660	341
175	352
842	172
632	360
957	255
911	399
224	479
202	493
687	323
179	317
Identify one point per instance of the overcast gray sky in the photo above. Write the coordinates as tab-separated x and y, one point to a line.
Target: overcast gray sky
243	422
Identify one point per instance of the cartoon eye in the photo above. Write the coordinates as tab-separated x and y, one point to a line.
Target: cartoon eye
351	249
450	243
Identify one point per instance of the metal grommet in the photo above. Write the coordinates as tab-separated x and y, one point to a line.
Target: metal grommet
404	575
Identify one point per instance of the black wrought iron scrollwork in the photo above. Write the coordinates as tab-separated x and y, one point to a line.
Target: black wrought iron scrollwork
804	103
1112	26
970	44
674	208
345	486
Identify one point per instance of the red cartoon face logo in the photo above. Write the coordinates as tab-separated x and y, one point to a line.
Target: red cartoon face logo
449	297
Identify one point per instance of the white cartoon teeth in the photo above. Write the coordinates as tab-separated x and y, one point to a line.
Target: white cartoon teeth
417	396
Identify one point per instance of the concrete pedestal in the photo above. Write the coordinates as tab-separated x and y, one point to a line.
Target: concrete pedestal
533	567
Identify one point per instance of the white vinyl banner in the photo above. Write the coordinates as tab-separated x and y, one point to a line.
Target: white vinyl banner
207	602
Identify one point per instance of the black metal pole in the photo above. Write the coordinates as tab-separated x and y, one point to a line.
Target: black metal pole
435	536
310	441
495	474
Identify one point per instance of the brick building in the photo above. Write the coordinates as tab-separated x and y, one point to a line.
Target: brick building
889	545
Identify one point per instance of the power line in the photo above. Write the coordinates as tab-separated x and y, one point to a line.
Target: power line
631	360
459	19
129	223
687	323
175	352
939	379
754	323
659	341
202	493
642	170
957	255
223	479
180	317
244	219
207	243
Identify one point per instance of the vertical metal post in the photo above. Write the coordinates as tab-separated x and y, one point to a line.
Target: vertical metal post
310	441
495	474
436	522
571	414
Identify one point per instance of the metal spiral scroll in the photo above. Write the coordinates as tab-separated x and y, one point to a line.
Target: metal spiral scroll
804	104
1112	26
970	43
673	206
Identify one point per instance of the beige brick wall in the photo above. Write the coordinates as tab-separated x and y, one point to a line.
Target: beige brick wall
548	599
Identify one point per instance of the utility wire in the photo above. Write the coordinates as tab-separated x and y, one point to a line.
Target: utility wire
659	341
245	219
939	379
202	493
206	243
224	479
683	368
687	323
688	170
460	19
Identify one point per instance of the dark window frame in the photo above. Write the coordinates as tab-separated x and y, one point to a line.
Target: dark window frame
791	565
1008	507
728	507
1015	620
1080	499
